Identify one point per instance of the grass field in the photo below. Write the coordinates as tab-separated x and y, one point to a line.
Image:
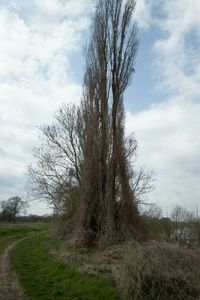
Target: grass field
44	277
12	232
7	230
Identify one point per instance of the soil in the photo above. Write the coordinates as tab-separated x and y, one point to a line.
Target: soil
10	288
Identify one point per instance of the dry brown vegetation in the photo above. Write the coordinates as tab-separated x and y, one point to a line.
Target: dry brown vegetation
150	270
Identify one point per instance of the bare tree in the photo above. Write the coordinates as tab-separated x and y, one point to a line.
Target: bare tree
197	226
154	211
55	176
85	167
13	207
108	207
181	217
141	179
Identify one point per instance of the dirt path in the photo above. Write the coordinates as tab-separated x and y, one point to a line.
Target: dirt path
17	236
10	288
9	238
12	237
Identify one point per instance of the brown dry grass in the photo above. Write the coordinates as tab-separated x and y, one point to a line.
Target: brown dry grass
162	270
153	270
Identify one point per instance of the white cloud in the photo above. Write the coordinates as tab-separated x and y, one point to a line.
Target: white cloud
143	13
168	137
168	133
37	38
178	51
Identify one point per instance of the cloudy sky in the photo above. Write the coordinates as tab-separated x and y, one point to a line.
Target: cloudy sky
41	66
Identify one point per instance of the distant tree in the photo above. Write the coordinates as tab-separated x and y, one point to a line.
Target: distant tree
196	225
153	211
180	214
181	217
12	207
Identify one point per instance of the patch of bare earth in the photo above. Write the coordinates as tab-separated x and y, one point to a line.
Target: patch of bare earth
10	288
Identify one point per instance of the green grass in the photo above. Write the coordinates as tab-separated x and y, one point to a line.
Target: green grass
44	277
7	230
6	243
12	232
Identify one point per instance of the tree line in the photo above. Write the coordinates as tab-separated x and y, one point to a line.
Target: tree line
12	208
181	225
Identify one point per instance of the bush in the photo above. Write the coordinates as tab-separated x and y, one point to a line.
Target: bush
159	271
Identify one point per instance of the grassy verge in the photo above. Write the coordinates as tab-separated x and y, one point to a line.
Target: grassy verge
44	277
6	243
7	230
12	232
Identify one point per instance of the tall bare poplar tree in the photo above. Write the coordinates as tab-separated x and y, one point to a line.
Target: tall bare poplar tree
108	209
